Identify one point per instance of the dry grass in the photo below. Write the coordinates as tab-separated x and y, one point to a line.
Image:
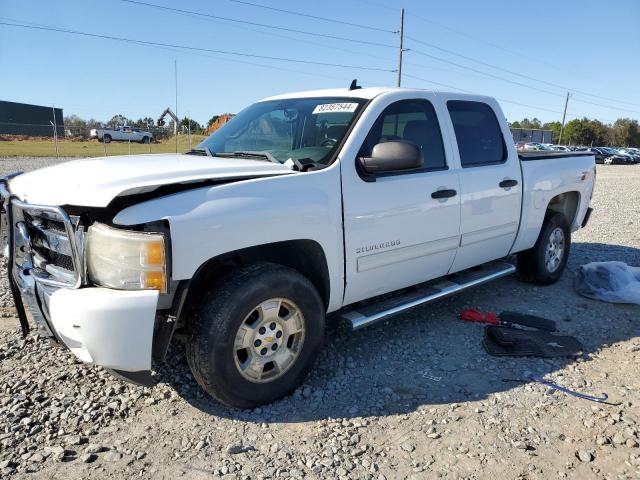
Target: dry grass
92	148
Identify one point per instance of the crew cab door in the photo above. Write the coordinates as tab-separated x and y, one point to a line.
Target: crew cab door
490	182
396	233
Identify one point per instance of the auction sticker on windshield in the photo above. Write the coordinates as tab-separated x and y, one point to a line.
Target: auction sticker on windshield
335	107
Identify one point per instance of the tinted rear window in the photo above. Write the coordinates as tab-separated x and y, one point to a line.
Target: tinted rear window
478	133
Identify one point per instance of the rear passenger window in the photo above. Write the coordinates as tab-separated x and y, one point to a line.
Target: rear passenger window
413	121
478	133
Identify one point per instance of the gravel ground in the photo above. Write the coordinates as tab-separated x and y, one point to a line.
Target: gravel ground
416	397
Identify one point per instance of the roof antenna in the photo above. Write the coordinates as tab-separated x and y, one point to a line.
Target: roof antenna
354	84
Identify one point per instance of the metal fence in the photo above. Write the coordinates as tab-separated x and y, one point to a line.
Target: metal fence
75	141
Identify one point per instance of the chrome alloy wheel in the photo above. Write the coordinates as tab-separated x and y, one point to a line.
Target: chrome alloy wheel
269	340
555	250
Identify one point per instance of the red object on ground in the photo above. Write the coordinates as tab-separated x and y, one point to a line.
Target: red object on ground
471	315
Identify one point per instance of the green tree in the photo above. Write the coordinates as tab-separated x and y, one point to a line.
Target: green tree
582	131
625	132
144	123
530	124
601	132
195	126
76	126
515	124
555	130
118	119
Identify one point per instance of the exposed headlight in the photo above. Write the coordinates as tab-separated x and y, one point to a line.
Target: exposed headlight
126	260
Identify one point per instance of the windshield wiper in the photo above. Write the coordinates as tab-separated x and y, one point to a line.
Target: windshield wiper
204	151
248	154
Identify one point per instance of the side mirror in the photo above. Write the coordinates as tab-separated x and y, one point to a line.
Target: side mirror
392	156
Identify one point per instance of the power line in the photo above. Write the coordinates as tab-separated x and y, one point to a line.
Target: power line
486	42
264	25
514	82
486	74
519	54
216	57
512	72
513	52
187	47
537	107
296	39
437	83
315	17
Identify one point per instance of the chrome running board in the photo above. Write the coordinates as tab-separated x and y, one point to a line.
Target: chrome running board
364	315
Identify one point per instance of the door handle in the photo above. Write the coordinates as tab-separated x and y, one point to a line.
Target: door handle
508	183
444	194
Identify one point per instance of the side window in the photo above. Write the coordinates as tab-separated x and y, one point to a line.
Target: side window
413	121
478	133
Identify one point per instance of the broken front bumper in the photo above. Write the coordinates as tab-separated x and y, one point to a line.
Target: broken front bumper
46	270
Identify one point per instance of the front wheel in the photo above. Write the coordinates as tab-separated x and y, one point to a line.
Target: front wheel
256	336
545	262
106	139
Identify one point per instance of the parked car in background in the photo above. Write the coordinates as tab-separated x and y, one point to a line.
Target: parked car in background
632	152
537	147
617	158
599	154
122	133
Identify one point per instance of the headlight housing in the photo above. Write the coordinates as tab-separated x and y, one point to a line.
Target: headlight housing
125	259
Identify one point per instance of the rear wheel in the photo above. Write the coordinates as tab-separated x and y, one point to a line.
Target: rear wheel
545	262
145	139
255	338
106	139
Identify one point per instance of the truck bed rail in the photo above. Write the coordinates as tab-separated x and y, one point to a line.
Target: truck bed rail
525	157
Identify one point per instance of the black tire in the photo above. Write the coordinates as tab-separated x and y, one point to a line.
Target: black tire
215	321
106	139
532	264
145	139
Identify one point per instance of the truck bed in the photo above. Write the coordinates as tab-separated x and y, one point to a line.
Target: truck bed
573	174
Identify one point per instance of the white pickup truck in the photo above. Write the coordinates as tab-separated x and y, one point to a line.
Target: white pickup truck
363	202
122	133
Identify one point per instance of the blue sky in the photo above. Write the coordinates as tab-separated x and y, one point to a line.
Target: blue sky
589	46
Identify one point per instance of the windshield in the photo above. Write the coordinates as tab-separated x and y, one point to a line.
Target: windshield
290	129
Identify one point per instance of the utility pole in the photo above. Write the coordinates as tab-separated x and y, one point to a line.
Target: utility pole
175	130
564	116
401	49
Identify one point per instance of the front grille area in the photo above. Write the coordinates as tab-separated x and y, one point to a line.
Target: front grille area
50	246
45	244
53	225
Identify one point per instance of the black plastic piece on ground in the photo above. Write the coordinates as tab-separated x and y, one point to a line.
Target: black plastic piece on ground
528	321
142	377
505	341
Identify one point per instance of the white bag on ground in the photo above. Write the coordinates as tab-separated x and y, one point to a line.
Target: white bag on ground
609	281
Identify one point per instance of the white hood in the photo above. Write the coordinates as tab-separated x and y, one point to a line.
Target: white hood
95	182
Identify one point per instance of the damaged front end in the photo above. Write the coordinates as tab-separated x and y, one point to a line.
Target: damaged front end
112	326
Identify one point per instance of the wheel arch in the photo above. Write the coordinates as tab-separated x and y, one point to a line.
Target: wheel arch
566	203
305	256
